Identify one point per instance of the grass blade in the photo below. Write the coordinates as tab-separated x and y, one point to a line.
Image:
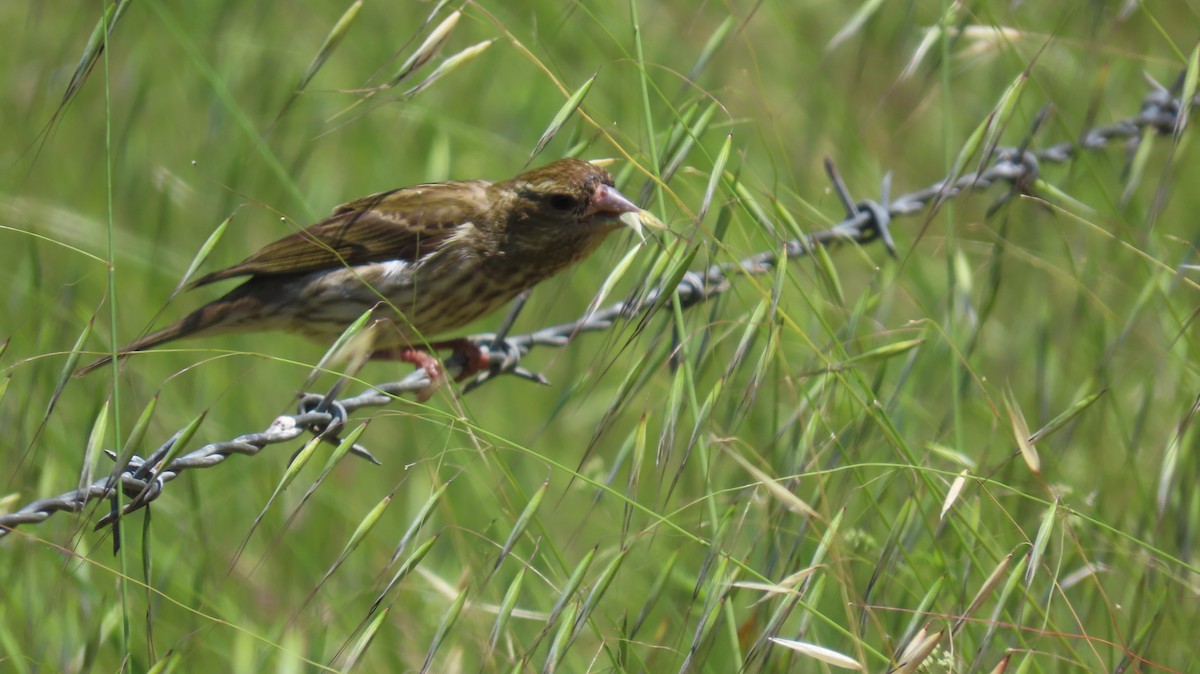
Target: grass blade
560	118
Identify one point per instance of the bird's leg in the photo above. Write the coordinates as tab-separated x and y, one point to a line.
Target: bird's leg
476	361
422	359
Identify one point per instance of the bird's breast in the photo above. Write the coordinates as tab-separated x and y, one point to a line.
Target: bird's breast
437	294
422	299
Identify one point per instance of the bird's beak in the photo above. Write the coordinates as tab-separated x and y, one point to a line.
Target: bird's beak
607	202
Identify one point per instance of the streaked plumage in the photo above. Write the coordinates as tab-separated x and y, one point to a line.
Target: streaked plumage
431	258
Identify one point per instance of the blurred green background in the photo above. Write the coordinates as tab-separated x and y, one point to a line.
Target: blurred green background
616	506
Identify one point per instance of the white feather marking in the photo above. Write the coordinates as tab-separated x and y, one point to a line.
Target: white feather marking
394	270
460	232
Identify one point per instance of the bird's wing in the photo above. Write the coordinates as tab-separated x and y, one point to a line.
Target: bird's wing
403	224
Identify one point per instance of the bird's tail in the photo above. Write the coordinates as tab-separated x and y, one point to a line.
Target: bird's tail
210	319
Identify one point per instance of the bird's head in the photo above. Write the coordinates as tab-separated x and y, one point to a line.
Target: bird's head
566	201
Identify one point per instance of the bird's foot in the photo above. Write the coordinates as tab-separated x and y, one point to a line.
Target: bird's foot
477	359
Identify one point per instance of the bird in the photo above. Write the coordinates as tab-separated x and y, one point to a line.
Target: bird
427	259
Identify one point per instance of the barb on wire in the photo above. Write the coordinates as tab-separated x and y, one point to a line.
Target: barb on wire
866	221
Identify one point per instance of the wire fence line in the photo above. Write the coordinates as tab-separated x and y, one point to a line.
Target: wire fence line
142	480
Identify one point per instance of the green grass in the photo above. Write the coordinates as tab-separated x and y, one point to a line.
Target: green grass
806	429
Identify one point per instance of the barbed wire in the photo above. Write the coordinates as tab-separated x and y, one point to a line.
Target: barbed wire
142	480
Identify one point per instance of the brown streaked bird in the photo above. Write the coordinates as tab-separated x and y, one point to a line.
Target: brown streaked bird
429	258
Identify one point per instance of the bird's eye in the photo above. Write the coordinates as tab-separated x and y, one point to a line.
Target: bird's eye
562	202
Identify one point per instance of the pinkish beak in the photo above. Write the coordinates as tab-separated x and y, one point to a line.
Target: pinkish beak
607	202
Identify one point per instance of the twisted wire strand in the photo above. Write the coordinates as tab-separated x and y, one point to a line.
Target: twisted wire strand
144	479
